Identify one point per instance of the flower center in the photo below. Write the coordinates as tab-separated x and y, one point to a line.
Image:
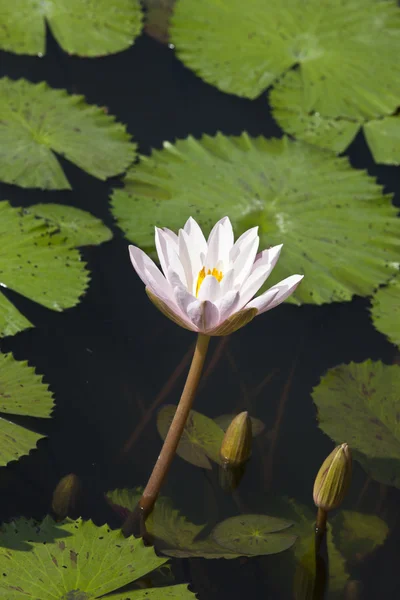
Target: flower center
203	274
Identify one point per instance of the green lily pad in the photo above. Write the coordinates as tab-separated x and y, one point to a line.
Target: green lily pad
201	439
36	262
336	226
254	534
83	27
22	392
385	310
358	534
77	227
85	563
383	137
223	421
345	52
38	121
359	403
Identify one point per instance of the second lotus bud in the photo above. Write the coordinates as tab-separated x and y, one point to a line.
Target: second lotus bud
236	445
333	479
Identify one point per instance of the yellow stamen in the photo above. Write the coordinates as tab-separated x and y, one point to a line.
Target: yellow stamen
202	275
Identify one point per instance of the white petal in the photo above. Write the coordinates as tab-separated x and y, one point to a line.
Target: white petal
275	295
196	235
228	231
149	273
243	240
203	315
228	305
244	262
227	282
166	249
262	268
183	299
190	259
172	236
215	242
210	289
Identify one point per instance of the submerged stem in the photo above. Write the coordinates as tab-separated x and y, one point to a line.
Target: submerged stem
161	468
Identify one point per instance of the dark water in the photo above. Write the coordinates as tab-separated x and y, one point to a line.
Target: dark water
109	357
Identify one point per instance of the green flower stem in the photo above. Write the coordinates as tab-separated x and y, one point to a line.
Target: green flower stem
320	526
161	468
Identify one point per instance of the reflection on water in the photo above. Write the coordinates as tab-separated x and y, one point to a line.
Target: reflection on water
114	361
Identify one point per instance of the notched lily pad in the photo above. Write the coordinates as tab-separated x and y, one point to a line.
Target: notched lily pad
385	310
383	137
36	262
83	27
22	392
358	534
337	227
76	560
359	403
201	439
38	121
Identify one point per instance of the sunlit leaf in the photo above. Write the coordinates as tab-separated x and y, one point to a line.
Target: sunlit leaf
383	137
36	262
223	421
77	227
201	439
357	534
336	226
22	392
75	560
385	310
37	121
358	403
83	27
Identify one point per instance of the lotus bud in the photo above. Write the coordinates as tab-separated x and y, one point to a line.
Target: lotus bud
65	495
236	445
333	479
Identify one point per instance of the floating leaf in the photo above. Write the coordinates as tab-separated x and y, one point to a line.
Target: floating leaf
83	563
83	27
35	262
22	392
346	52
383	137
201	438
254	534
358	534
336	226
386	310
223	421
77	227
359	403
37	121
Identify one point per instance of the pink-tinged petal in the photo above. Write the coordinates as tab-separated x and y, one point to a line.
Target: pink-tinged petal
261	270
149	272
204	315
183	298
275	295
228	305
190	259
166	250
227	282
244	262
242	241
195	235
170	310
210	289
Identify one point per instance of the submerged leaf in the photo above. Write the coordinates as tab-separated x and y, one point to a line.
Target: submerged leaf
357	534
38	121
336	226
75	560
359	403
201	438
385	310
36	262
83	27
22	392
158	14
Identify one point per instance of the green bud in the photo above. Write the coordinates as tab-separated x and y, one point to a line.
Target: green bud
333	479
65	495
236	445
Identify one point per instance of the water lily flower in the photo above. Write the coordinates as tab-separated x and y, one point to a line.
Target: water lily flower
208	286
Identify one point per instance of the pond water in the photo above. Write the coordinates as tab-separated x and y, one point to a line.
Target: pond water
110	357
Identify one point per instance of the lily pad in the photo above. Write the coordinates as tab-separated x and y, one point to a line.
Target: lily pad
223	421
336	226
36	262
77	227
22	392
83	564
83	27
359	403
345	52
254	534
383	137
38	121
386	310
358	534
201	439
